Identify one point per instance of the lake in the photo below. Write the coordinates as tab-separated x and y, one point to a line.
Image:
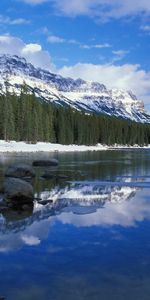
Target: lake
92	242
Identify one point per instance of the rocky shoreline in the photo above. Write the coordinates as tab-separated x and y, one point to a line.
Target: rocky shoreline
17	192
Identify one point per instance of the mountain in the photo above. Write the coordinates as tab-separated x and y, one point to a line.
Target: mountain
102	206
84	198
91	97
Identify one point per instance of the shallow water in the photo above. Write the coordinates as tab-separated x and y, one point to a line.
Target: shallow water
92	242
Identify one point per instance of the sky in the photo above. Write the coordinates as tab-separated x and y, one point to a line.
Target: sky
100	40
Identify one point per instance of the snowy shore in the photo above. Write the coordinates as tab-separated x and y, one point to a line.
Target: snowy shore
13	146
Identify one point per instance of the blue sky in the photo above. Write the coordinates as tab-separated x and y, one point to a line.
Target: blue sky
101	40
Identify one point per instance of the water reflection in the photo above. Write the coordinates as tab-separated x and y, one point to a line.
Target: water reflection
91	241
80	204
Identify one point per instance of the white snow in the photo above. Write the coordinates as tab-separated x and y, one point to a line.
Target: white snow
79	94
13	146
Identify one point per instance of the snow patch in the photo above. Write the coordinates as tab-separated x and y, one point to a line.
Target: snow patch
13	146
91	97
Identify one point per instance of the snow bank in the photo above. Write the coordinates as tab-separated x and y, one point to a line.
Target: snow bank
13	146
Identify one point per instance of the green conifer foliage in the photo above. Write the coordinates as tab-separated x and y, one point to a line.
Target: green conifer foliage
27	118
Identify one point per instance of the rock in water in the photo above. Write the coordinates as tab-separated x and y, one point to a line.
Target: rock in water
18	191
16	214
45	163
48	175
44	202
20	171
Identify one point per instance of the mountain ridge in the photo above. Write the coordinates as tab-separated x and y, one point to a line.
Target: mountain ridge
91	97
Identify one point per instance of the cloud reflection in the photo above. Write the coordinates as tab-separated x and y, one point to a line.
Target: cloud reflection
81	205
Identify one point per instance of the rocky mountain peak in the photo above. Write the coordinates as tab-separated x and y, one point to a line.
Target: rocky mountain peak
91	97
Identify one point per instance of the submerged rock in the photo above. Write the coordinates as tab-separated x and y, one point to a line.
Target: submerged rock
20	171
45	163
49	175
1	187
59	176
3	205
17	190
15	214
44	202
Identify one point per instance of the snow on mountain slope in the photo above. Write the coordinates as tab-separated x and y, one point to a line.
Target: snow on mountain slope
91	97
84	198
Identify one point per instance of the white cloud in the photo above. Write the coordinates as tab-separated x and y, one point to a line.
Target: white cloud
127	76
119	54
104	9
32	52
19	21
74	42
31	48
34	2
125	214
53	39
145	28
8	21
97	46
30	240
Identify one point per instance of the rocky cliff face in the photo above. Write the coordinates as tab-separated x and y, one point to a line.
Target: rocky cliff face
91	97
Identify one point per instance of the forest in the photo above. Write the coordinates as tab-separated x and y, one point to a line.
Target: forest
26	118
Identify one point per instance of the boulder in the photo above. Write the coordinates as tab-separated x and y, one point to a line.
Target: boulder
20	171
18	191
45	163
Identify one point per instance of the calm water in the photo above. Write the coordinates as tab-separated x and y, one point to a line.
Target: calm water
93	242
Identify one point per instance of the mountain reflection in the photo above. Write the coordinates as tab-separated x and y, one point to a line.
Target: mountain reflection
86	203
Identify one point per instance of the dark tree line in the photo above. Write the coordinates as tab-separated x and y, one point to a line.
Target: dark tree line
26	118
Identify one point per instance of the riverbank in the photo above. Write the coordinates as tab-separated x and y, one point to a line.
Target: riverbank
13	146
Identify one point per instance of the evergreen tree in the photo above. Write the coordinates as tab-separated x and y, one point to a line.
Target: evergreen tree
26	118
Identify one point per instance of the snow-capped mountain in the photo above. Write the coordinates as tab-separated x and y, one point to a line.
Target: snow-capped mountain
91	97
84	198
